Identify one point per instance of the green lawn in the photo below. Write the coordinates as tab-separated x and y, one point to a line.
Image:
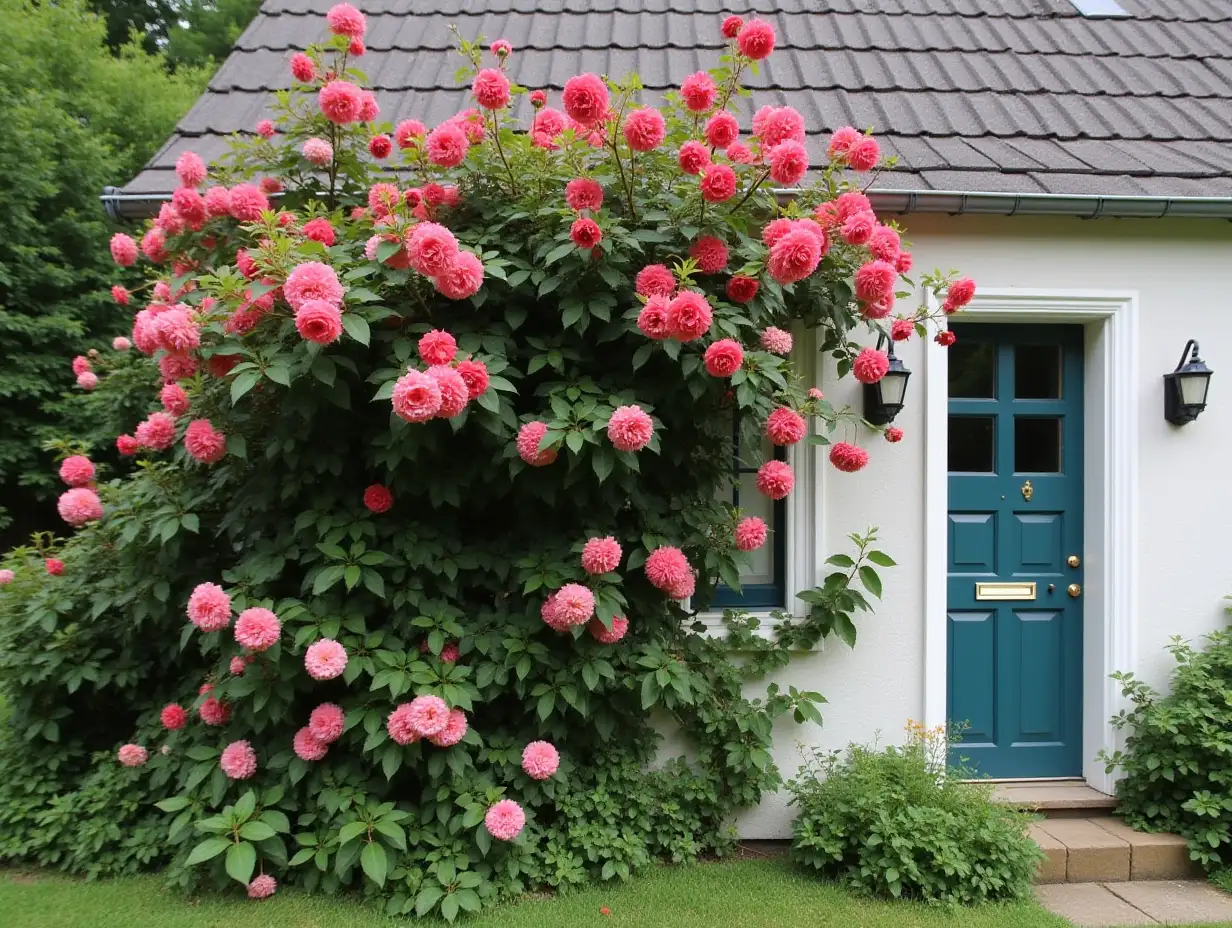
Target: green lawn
738	894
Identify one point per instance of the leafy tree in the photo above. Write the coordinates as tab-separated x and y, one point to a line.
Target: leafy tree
206	30
75	119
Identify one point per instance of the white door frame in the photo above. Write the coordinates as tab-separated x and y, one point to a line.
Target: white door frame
1110	488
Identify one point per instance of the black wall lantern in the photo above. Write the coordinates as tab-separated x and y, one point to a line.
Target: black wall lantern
883	400
1185	388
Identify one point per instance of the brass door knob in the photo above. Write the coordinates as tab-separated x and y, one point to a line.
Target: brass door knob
1074	590
1073	560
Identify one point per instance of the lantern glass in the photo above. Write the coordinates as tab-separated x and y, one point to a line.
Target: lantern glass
893	388
1193	387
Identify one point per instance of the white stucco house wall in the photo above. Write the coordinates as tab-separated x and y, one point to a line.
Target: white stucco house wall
1074	157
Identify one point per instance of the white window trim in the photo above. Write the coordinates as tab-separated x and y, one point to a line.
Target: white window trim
804	524
1110	487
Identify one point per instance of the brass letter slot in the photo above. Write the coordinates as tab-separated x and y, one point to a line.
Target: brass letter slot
1005	591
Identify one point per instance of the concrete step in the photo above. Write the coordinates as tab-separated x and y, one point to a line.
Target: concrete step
1056	799
1103	849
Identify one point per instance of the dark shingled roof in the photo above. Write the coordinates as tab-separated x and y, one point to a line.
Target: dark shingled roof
1003	96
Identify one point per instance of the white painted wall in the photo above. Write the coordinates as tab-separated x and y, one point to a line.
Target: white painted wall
1182	271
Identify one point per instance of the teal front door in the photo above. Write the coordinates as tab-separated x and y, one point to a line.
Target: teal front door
1014	590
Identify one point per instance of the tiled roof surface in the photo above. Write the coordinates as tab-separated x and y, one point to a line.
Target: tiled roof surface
1008	96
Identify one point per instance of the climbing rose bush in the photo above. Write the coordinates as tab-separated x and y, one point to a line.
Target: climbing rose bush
423	480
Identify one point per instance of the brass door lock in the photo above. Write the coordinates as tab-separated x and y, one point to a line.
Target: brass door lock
1074	590
1073	560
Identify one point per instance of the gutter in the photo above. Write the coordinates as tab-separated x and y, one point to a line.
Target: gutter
121	206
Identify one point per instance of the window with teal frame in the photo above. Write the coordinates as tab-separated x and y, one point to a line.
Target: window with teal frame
763	580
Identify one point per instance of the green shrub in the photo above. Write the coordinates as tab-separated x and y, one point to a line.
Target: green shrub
1177	759
892	823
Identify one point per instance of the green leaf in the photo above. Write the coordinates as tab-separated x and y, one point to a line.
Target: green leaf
374	862
871	581
840	560
350	831
242	384
172	804
246	805
237	446
279	373
191	522
241	861
206	850
427	899
356	327
302	856
650	691
881	559
449	908
559	252
256	831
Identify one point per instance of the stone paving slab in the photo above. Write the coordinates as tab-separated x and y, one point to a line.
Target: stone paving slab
1052	867
1090	905
1176	902
1093	854
1053	796
1153	856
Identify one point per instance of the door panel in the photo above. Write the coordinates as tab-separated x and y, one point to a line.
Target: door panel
1015	516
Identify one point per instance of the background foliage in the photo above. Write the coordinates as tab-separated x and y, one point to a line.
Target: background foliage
76	118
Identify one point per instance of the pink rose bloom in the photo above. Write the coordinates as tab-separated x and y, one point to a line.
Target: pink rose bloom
237	666
204	442
447	145
776	341
491	89
341	102
848	458
408	133
248	202
584	193
505	820
81	364
239	760
437	347
344	19
54	566
698	91
875	280
785	426
739	153
602	634
174	399
886	244
79	506
893	434
689	316
87	380
750	533
585	232
326	722
319	230
454	730
257	629
794	256
265	129
529	437
722	129
176	367
742	289
710	253
417	397
546	126
850	203
308	746
904	263
312	280
378	499
6	577
501	48
788	162
864	154
318	321
945	338
325	659
585	99
318	151
756	39
121	296
653	319
123	249
630	429
213	712
724	357
902	329
732	26
454	393
154	243
655	280
870	365
432	249
190	169
398	724
262	887
538	98
173	717
841	142
775	229
718	183
774	125
858	228
475	375
189	205
645	129
574	604
209	607
176	331
547	612
775	479
76	470
667	568
303	69
960	293
428	715
693	157
540	760
133	755
157	432
601	555
462	279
